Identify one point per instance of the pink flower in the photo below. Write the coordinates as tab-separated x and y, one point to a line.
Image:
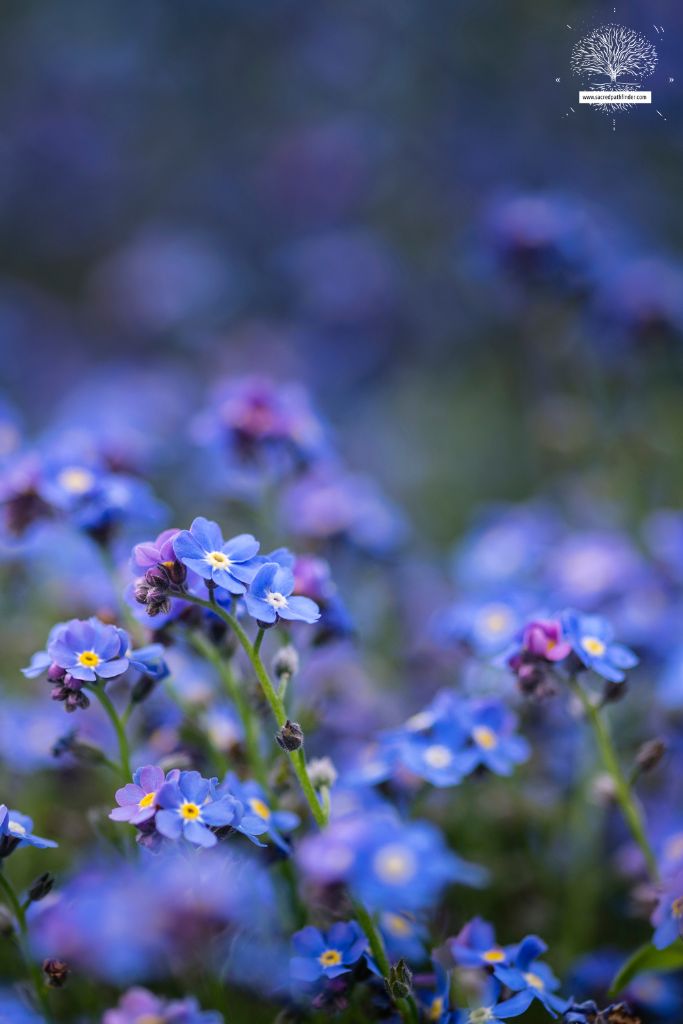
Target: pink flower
543	638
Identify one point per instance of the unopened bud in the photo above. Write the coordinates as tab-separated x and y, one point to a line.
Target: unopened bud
602	790
157	577
177	572
76	699
7	926
142	688
612	692
400	981
55	672
286	662
158	603
291	736
650	754
41	887
322	772
56	971
82	750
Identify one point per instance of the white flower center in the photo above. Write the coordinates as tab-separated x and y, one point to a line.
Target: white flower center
484	737
218	560
16	827
437	756
480	1016
596	648
395	864
422	720
276	600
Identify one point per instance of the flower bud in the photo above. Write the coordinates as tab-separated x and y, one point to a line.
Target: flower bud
158	604
321	772
76	699
55	672
177	572
56	971
41	887
7	927
290	737
286	662
650	754
8	844
142	688
157	577
612	692
141	589
83	750
399	984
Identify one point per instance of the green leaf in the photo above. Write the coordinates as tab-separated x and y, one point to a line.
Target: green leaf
647	958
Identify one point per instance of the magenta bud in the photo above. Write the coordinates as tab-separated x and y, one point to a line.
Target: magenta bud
55	672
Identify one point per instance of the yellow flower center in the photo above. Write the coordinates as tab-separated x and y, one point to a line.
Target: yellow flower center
396	924
330	958
276	600
17	827
484	737
493	956
76	480
190	811
676	906
437	756
218	560
596	648
436	1009
89	659
395	864
147	800
533	981
258	807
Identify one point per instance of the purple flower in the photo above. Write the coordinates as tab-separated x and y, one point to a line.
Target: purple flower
88	650
151	553
188	812
138	799
230	564
543	639
269	597
140	1006
320	955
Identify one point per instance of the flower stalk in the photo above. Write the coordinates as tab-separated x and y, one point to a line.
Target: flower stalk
25	945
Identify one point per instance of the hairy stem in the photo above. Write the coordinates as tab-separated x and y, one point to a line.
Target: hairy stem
296	756
31	966
406	1007
625	798
124	750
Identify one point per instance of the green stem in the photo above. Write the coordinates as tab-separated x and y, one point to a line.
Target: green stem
297	756
406	1007
245	711
629	807
124	750
31	966
259	640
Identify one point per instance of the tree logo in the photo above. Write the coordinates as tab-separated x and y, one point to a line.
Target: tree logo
614	59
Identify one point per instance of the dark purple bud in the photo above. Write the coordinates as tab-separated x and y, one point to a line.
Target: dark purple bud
141	589
55	672
76	699
56	971
142	688
157	606
41	887
157	577
177	572
650	754
291	736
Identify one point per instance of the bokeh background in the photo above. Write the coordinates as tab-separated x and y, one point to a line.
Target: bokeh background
389	202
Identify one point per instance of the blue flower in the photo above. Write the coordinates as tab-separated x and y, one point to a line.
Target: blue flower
487	1009
269	597
148	660
320	955
591	639
529	976
187	810
436	1004
252	797
230	564
668	915
436	756
491	726
88	650
139	1005
476	946
16	826
403	936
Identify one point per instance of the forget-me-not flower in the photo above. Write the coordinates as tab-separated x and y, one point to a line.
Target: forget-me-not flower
531	977
187	811
320	955
88	650
476	946
137	800
255	802
269	597
18	827
231	564
591	637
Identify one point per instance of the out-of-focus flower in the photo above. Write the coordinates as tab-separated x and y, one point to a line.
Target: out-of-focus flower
530	976
491	725
320	955
253	798
475	945
389	864
436	1004
487	623
313	579
14	1010
667	918
269	597
139	1006
186	810
230	564
505	547
543	644
329	502
585	568
591	638
17	831
487	1010
403	936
